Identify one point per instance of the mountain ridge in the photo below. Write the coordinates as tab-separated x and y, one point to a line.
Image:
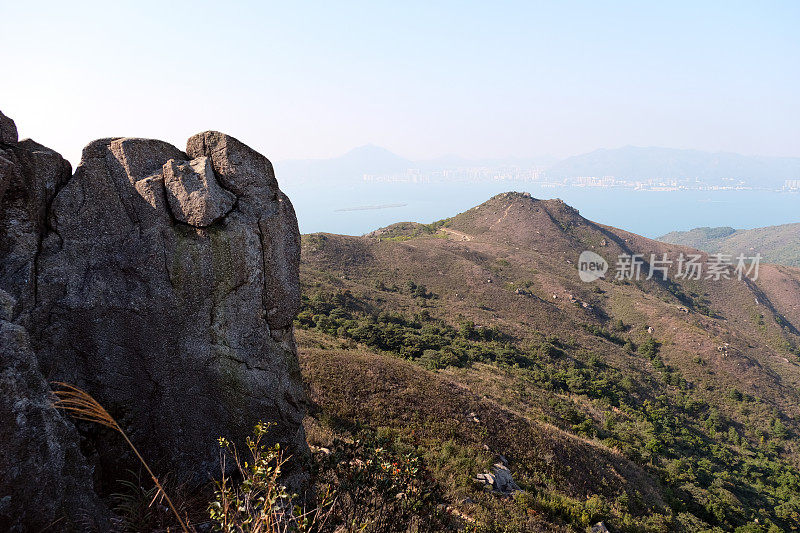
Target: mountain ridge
628	162
642	163
777	244
691	380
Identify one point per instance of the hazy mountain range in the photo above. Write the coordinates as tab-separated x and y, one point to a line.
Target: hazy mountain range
371	159
633	163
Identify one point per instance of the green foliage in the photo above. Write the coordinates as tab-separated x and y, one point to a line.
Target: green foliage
620	327
418	291
718	472
649	348
366	485
378	487
553	506
779	430
735	395
692	301
606	334
434	343
406	231
259	502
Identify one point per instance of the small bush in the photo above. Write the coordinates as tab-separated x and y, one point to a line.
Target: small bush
259	503
378	489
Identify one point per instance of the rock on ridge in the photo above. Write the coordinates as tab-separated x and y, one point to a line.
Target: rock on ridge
165	283
194	195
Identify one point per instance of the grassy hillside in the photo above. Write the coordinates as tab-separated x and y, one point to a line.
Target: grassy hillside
777	244
649	405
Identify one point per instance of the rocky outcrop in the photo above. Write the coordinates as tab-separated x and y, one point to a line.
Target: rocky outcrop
8	130
163	282
499	480
30	176
194	195
44	479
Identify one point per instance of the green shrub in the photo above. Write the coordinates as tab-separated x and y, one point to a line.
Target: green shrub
258	502
649	348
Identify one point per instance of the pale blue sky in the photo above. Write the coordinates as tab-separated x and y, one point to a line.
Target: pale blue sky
314	79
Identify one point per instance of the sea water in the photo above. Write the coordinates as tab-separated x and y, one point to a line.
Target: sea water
359	207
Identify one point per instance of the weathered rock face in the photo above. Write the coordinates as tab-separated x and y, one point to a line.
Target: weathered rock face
164	283
8	130
30	175
194	195
44	479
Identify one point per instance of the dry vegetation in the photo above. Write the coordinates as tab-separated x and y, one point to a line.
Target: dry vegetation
430	352
650	405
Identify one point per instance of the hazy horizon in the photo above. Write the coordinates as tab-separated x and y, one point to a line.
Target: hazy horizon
515	79
537	81
516	156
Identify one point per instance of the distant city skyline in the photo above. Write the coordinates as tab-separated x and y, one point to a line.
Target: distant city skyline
311	79
639	168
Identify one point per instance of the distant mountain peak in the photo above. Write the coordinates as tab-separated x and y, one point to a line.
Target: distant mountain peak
511	199
518	217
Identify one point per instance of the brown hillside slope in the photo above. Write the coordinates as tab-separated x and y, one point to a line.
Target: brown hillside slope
430	410
778	244
368	387
516	240
723	365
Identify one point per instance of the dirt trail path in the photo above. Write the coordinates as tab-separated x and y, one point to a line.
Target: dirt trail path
458	234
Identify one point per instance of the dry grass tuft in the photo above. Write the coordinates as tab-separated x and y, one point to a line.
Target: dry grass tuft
81	405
